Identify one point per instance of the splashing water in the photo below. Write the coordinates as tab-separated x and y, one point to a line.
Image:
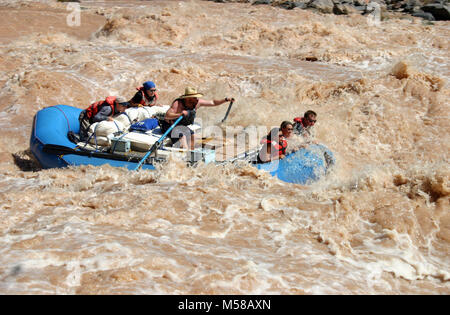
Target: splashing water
377	224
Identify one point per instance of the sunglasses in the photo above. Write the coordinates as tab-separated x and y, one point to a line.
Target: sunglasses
312	120
152	90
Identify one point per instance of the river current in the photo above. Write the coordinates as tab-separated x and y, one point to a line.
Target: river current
379	223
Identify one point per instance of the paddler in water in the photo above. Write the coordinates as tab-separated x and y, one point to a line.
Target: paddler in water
186	105
146	95
275	143
100	111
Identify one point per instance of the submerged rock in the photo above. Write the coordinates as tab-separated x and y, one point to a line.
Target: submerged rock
424	15
440	11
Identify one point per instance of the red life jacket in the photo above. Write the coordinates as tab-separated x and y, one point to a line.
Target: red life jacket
300	121
92	110
281	146
145	101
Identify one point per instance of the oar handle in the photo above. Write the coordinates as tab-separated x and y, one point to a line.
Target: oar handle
228	111
157	143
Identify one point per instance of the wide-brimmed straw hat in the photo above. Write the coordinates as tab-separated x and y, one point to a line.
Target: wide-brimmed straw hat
190	92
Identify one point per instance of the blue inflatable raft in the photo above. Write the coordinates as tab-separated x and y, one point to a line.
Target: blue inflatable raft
50	144
301	167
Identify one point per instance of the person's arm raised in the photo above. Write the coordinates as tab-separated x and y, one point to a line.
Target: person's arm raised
202	102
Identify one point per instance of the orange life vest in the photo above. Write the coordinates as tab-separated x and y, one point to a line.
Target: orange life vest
281	146
145	101
92	110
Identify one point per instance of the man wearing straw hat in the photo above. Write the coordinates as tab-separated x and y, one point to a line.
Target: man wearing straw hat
186	105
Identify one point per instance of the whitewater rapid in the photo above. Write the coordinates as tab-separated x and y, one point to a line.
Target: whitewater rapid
378	224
